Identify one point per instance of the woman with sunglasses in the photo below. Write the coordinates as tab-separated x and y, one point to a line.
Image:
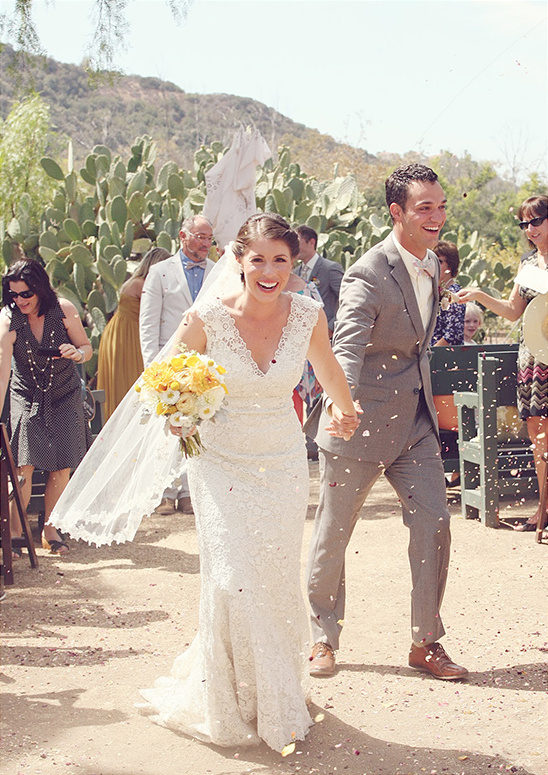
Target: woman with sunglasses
41	341
532	374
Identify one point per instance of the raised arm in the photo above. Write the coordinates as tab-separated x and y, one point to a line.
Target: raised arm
7	339
79	349
511	308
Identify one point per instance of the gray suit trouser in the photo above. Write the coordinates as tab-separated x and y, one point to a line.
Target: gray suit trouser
417	477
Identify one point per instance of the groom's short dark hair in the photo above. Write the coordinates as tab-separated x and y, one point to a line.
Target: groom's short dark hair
397	184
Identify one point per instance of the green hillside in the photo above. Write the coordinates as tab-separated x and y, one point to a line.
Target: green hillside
113	114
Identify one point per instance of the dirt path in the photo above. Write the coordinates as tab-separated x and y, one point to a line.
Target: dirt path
82	635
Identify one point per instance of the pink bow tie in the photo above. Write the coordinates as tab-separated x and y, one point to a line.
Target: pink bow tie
426	265
190	264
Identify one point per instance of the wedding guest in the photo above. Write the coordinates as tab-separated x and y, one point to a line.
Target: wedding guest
449	328
41	341
325	274
308	389
532	396
169	290
473	321
120	360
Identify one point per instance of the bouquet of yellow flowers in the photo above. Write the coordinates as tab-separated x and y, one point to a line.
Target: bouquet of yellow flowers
185	389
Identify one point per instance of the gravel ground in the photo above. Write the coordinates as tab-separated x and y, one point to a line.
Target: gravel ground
81	635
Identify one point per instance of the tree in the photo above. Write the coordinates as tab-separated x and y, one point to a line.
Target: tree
108	36
24	138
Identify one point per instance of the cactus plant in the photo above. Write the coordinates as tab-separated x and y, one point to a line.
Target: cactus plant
109	213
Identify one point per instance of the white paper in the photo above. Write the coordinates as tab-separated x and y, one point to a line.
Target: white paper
534	278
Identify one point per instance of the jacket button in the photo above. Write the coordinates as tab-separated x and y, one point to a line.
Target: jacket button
416	390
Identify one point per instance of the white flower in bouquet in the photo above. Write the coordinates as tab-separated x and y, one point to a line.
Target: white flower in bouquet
187	403
170	397
209	402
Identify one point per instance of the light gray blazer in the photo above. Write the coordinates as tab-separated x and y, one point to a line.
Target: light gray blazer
165	298
382	346
327	276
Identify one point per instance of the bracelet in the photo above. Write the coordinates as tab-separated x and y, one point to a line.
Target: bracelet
82	355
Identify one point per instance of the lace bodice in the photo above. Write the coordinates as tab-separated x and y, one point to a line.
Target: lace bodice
244	378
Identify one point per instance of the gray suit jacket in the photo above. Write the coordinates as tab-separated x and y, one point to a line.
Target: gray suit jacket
166	297
382	346
327	276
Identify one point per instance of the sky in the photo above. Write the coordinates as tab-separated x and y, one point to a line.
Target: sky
383	75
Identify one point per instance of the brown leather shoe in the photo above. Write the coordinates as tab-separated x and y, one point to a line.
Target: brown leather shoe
433	659
322	659
184	505
166	507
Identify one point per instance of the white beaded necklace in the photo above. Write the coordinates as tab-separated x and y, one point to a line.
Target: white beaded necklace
34	367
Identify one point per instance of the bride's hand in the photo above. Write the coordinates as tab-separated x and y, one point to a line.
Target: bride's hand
176	430
344	424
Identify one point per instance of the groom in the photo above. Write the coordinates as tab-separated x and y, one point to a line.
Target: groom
388	306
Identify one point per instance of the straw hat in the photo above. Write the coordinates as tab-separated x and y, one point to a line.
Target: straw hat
535	327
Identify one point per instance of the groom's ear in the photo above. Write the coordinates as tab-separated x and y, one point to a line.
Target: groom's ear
396	212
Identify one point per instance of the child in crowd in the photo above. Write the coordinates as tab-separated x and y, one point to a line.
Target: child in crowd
473	321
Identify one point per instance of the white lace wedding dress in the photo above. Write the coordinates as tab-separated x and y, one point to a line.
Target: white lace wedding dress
245	676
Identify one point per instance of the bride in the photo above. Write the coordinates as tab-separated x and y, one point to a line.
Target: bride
245	676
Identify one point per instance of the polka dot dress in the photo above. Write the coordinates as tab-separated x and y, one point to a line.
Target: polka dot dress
48	429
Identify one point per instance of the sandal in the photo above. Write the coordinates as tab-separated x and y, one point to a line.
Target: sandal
56	546
16	549
526	527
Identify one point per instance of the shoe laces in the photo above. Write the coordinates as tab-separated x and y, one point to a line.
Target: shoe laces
323	649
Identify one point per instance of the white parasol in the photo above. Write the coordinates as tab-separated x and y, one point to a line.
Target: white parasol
535	327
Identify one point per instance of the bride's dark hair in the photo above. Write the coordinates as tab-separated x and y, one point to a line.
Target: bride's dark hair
268	225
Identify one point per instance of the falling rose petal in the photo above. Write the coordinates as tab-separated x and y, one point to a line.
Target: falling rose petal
319	717
332	484
288	749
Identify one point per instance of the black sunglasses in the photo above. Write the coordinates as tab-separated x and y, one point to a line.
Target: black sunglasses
533	222
23	294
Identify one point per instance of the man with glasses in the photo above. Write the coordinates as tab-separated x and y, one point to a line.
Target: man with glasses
169	290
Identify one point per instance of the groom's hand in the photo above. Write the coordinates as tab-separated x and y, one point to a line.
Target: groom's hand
343	424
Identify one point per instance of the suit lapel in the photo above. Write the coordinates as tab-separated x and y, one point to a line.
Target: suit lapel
401	276
435	307
319	269
180	280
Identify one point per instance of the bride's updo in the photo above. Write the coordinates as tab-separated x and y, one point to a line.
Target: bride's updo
269	226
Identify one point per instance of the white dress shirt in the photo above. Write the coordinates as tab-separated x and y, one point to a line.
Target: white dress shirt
422	284
308	267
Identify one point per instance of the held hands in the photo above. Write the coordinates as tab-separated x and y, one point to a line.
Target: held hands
344	424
